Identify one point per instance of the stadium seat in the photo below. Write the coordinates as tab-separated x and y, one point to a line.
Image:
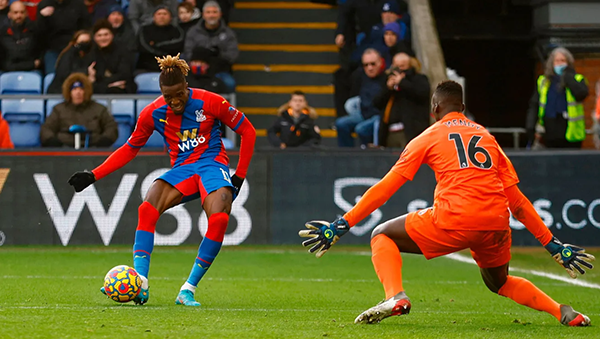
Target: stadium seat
20	83
103	102
156	140
47	81
124	113
148	83
228	144
25	117
50	103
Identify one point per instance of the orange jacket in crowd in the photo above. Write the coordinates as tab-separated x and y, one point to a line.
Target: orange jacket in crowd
5	135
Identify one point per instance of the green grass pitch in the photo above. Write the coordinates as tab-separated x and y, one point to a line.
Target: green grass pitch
273	292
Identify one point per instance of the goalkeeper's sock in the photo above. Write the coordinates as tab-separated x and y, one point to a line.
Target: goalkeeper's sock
527	294
144	238
209	247
388	264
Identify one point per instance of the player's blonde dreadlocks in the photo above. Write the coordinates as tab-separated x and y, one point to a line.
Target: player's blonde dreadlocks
173	70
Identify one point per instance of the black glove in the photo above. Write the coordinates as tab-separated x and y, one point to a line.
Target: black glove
52	142
237	185
81	180
571	257
104	142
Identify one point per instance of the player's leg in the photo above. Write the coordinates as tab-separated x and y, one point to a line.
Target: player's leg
217	206
387	241
493	262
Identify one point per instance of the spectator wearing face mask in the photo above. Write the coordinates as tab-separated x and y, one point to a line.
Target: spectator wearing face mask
73	59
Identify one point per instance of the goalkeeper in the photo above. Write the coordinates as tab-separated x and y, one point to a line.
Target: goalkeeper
477	184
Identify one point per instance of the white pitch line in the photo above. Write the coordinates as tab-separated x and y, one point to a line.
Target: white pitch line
465	259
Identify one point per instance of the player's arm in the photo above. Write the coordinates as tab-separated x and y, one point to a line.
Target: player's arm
237	121
120	157
323	234
569	256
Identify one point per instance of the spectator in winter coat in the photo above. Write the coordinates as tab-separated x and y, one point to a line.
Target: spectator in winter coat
57	21
111	70
18	42
99	9
367	83
188	15
141	12
212	33
158	39
404	103
124	34
78	109
203	70
73	59
295	126
390	44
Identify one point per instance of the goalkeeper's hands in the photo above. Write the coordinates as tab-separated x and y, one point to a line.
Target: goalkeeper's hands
323	234
81	180
570	257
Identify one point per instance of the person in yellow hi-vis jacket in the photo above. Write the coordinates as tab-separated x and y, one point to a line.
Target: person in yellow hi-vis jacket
556	114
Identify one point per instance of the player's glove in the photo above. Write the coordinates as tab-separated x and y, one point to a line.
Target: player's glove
570	257
237	185
323	234
81	180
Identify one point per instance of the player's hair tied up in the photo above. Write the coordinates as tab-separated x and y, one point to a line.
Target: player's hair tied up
173	69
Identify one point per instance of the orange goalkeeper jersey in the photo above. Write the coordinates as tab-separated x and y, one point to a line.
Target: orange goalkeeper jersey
471	172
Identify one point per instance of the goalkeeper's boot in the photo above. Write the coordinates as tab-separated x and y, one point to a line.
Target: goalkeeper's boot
570	317
186	297
396	305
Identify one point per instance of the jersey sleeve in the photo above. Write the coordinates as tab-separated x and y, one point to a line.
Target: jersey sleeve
506	171
143	128
227	114
412	157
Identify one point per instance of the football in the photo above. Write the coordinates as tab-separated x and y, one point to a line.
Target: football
122	283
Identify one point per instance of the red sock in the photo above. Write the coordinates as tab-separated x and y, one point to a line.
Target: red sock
217	225
388	264
527	294
147	217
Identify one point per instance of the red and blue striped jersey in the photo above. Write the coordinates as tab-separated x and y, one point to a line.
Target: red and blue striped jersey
192	136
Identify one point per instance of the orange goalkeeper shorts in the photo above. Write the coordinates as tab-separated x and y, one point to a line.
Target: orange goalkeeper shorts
488	248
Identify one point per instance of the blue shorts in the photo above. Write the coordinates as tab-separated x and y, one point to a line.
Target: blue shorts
198	180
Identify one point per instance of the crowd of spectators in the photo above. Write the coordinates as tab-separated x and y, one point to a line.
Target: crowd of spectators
111	44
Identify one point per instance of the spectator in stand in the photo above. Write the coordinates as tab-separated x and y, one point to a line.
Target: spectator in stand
225	5
142	12
390	44
31	6
5	141
99	9
158	39
404	102
73	59
124	34
556	115
203	70
392	11
4	9
18	42
111	68
78	109
367	83
188	15
295	125
57	21
212	32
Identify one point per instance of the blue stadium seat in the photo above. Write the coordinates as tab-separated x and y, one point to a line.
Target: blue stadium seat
228	144
156	140
124	113
103	102
148	83
25	117
47	81
50	103
20	83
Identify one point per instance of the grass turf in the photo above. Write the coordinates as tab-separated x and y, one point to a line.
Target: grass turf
273	292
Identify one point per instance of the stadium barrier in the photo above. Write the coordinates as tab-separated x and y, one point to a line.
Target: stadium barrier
283	190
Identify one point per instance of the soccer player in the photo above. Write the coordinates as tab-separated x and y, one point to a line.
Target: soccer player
189	119
476	185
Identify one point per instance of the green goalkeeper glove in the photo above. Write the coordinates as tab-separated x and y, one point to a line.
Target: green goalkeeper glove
570	257
323	234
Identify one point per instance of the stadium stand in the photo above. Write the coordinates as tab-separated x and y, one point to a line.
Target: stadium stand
20	83
147	83
25	117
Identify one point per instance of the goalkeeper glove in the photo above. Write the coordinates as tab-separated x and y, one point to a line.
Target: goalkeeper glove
570	257
81	180
323	234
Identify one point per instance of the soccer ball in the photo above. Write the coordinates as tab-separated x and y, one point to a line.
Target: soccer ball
122	283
